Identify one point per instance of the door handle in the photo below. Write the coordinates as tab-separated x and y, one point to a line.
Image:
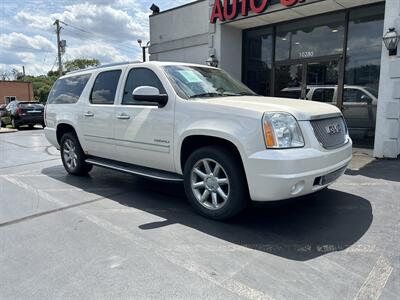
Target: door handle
89	114
123	117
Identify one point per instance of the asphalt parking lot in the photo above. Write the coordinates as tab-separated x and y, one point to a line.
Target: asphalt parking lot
113	235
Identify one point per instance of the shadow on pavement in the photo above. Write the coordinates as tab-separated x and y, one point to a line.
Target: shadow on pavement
380	169
299	229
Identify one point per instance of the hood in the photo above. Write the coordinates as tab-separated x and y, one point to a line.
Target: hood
302	110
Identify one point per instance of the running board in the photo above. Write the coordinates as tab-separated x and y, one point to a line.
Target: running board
135	170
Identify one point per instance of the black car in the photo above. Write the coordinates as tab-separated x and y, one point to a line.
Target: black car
20	113
3	110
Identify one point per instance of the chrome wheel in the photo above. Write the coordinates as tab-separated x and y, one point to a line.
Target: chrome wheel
69	154
210	184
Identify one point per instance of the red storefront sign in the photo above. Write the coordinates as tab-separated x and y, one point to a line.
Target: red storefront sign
223	10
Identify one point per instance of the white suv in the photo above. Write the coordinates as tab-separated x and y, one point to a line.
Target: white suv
196	124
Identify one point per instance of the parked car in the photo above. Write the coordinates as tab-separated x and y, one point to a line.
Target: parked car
19	113
3	112
359	104
196	124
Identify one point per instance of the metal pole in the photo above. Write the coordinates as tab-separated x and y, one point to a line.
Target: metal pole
58	30
144	53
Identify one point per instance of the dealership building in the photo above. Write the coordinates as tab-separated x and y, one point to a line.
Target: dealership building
341	52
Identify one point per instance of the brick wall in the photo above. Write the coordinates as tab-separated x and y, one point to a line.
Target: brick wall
20	90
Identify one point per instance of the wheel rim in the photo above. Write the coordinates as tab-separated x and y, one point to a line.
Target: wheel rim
210	184
70	156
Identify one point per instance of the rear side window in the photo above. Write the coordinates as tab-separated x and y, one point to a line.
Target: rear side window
355	96
140	77
323	95
68	90
105	87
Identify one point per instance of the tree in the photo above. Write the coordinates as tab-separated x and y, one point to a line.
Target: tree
16	74
81	63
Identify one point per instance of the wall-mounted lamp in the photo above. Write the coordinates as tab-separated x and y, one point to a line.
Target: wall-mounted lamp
155	9
391	40
212	61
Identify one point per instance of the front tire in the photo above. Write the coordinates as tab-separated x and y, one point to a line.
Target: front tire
72	156
215	183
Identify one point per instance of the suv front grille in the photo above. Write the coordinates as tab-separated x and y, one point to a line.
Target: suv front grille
331	133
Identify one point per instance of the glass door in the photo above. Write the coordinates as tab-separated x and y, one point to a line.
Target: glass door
311	79
289	81
322	81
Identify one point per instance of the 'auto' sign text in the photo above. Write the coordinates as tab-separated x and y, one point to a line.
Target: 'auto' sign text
225	10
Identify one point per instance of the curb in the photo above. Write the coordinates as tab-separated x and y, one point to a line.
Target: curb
4	130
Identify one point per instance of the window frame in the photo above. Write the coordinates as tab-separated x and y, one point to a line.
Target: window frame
116	90
141	103
9	99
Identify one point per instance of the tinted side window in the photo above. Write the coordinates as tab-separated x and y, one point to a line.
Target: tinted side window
323	95
105	87
140	77
354	95
68	90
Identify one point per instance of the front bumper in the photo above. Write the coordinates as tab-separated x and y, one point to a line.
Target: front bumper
284	174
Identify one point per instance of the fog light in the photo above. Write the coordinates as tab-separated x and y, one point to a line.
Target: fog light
298	188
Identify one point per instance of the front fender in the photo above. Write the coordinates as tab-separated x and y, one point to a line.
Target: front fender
245	135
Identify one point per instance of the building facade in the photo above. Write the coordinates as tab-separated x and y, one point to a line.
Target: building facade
15	90
313	50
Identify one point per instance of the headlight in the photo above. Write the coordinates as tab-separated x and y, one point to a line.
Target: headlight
281	130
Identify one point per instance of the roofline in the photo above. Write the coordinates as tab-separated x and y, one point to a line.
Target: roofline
16	81
103	66
177	7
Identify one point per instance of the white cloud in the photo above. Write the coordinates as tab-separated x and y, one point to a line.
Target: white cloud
20	42
101	20
102	29
103	52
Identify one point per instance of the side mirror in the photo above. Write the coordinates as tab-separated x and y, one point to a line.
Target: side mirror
150	94
366	99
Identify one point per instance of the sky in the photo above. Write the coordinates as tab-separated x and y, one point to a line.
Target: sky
104	29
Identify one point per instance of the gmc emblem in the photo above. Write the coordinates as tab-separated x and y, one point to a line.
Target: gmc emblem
333	129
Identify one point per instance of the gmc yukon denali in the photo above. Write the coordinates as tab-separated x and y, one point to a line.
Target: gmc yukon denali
198	125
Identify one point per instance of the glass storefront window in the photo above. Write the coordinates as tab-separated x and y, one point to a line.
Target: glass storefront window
288	80
364	49
258	59
308	63
314	37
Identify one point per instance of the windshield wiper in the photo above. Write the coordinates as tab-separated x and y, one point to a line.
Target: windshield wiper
246	94
238	94
205	95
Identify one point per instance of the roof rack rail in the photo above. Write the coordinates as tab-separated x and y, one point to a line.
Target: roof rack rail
104	66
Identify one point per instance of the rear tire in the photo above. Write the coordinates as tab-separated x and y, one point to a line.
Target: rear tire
72	155
215	183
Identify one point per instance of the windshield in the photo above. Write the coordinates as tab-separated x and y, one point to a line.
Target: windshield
201	82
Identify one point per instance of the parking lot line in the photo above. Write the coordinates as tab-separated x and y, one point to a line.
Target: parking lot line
373	286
